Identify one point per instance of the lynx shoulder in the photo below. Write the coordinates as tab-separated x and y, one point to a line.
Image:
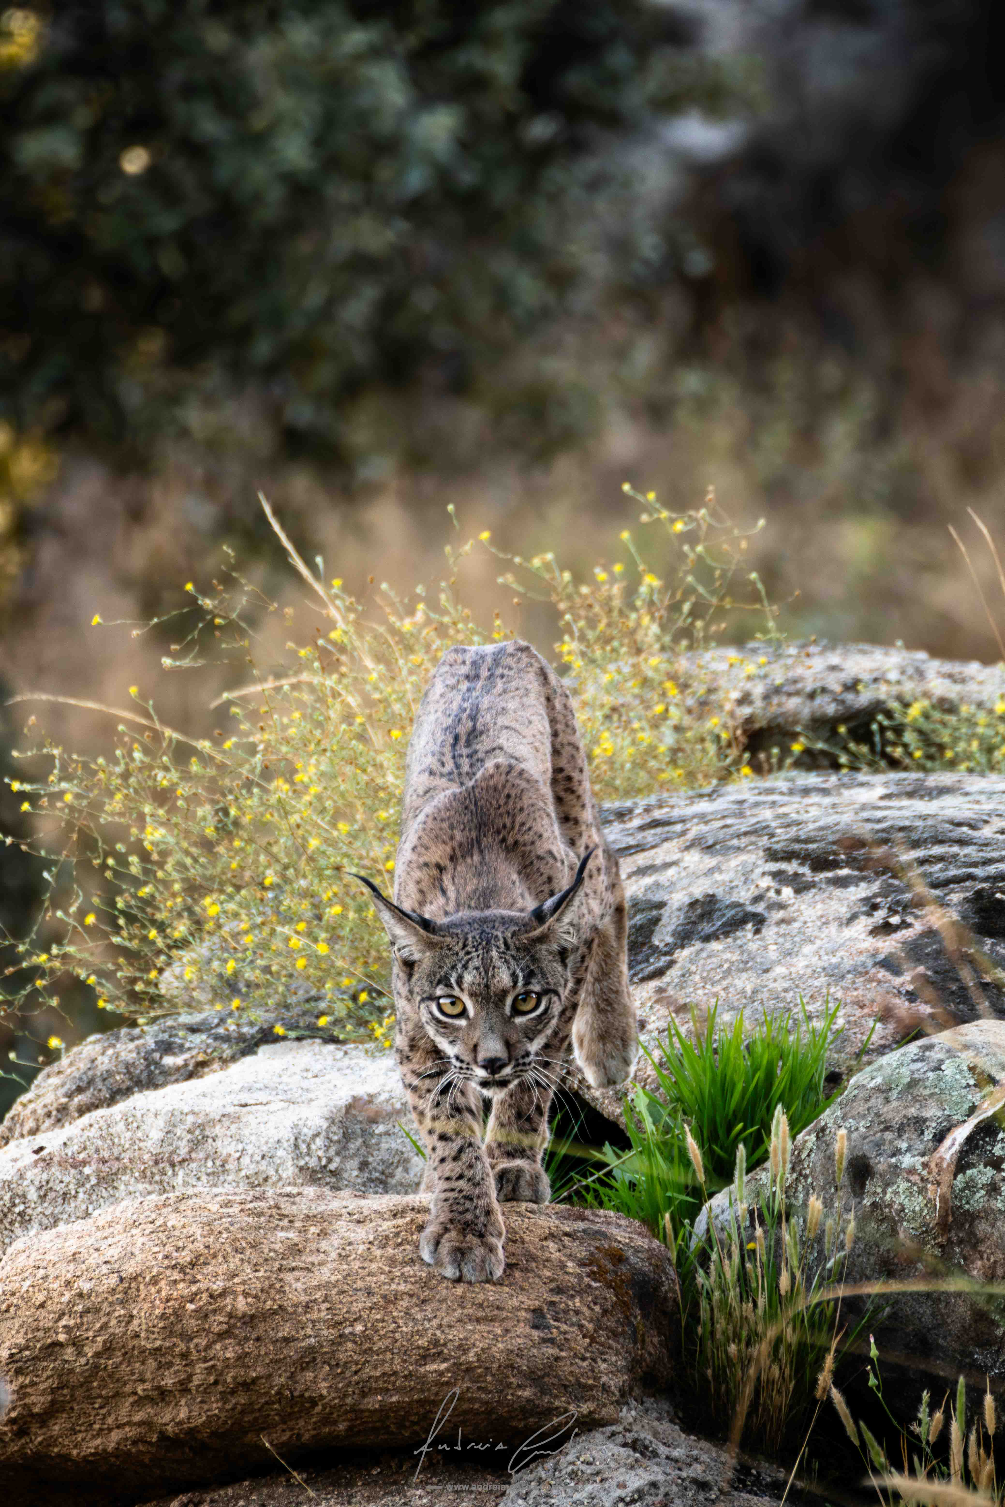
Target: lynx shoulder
508	929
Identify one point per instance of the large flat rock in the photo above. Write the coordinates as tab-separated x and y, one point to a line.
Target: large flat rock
293	1113
113	1065
155	1343
885	891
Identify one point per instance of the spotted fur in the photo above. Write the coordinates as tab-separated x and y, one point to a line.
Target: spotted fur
508	901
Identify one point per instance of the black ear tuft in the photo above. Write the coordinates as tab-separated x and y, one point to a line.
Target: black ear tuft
548	912
406	928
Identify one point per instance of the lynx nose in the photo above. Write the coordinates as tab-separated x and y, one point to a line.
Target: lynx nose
492	1066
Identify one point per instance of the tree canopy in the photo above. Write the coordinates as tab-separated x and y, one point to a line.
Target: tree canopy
303	195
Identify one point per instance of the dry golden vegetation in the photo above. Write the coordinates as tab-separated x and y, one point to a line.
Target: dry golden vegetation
215	871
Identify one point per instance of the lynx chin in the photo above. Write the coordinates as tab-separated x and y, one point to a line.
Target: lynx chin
508	930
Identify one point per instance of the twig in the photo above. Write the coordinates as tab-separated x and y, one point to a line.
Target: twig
261	685
942	1167
980	590
991	546
97	706
298	1479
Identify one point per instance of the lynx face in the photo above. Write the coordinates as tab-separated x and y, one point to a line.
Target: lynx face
487	993
488	987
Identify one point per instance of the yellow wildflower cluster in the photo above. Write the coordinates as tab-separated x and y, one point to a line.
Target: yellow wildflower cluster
219	869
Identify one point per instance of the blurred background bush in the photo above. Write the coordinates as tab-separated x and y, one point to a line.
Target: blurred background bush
376	258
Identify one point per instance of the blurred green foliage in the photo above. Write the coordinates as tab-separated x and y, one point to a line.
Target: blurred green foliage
198	197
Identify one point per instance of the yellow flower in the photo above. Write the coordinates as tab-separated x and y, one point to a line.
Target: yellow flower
650	579
279	1030
746	770
485	534
396	733
189	974
301	962
102	1004
235	1003
293	941
96	619
601	575
346	983
713	722
797	748
389	865
301	926
618	569
26	805
625	535
90	918
363	996
231	965
322	1020
68	796
323	948
626	486
134	690
212	908
189	586
336	910
53	1043
650	497
267	880
679	526
152	936
336	582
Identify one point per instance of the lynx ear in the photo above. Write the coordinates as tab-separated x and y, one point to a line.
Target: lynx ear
410	933
544	918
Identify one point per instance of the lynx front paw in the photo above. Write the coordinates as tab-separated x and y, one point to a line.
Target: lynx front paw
521	1182
605	1064
459	1255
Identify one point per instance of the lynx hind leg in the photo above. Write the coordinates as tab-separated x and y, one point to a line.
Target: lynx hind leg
605	1031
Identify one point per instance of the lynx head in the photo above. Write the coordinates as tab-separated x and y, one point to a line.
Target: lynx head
488	986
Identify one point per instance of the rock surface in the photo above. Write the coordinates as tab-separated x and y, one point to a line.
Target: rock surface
114	1065
158	1341
294	1113
818	885
644	1460
925	1208
771	695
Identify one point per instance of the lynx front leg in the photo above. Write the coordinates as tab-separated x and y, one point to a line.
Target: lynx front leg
516	1137
605	1033
464	1235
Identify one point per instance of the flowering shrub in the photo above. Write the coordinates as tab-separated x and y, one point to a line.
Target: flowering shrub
217	871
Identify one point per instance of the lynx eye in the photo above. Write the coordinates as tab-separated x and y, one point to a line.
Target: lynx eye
524	1003
450	1005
